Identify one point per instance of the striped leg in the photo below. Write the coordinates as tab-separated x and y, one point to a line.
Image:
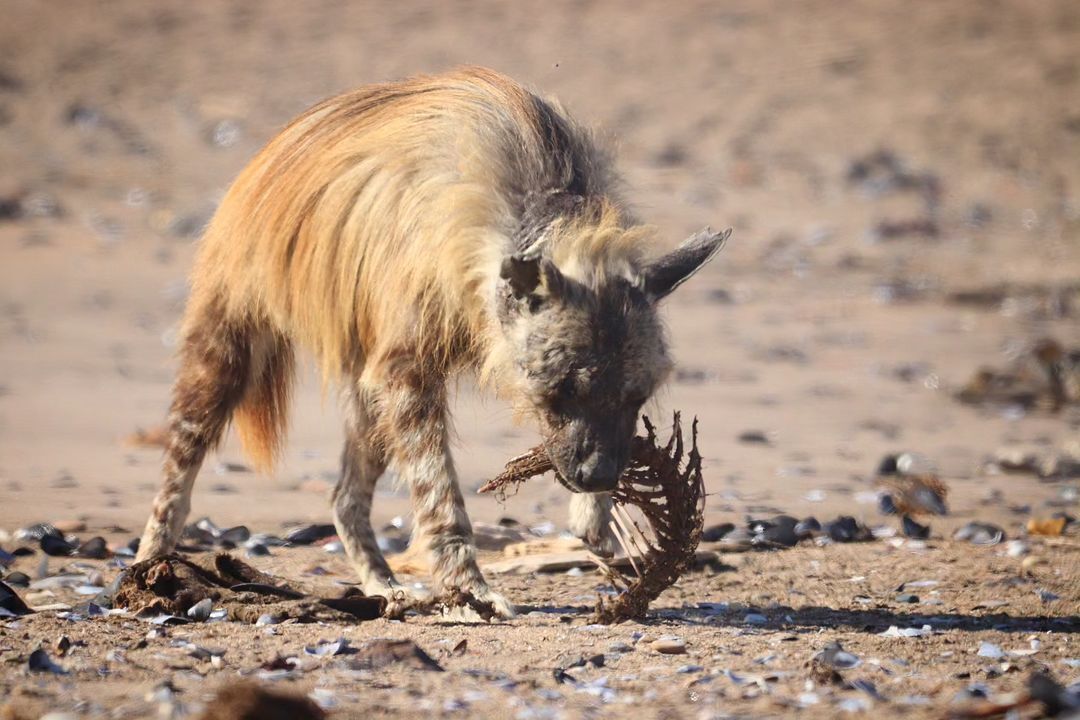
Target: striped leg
414	425
215	363
362	463
590	520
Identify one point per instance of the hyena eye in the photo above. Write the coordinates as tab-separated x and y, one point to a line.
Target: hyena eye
563	395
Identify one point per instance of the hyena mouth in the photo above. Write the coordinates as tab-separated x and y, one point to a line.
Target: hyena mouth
567	484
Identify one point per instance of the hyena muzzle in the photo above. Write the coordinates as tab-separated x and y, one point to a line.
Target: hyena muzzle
404	233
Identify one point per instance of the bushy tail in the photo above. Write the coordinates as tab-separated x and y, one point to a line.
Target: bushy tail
262	417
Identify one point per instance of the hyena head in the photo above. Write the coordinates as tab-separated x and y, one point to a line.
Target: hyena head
591	353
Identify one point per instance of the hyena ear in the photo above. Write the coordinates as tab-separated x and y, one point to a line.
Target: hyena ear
522	274
527	275
666	273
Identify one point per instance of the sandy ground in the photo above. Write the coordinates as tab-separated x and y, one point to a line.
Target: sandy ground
121	126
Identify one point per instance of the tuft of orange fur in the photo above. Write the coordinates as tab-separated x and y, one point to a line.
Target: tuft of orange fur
262	417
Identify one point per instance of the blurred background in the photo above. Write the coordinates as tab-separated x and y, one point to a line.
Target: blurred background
903	180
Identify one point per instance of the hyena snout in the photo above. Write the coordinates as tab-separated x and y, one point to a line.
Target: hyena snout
598	473
588	463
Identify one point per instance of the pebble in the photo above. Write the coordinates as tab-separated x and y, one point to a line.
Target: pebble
94	548
1031	562
309	534
716	532
913	529
990	650
782	535
17	579
201	610
847	529
907	598
235	535
754	437
391	545
837	658
36	532
1017	548
329	649
689	669
807	527
897	632
978	533
257	550
56	546
669	646
10	602
40	661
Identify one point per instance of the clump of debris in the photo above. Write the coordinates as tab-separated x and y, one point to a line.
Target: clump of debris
664	485
173	587
1042	376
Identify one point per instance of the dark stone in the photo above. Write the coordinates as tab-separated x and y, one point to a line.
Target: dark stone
886	505
10	600
783	535
94	548
785	521
310	534
847	529
56	546
714	533
807	527
38	531
888	466
17	579
753	437
914	530
258	550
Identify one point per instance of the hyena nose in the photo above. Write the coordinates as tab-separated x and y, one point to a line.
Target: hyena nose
598	473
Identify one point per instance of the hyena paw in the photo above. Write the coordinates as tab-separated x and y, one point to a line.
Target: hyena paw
590	521
153	544
485	595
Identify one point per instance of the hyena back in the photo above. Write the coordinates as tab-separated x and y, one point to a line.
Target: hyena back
402	233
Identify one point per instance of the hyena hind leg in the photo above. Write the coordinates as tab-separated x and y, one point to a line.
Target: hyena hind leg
590	520
362	464
215	364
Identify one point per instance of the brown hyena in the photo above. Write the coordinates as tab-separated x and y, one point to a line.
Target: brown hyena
402	233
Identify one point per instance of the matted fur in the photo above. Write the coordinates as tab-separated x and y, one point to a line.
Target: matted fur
373	232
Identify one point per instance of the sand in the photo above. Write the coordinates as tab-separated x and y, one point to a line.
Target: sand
121	126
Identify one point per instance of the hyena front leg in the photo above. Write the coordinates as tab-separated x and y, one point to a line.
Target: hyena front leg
215	363
590	520
414	426
363	462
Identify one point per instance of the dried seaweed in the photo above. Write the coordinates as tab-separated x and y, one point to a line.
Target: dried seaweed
172	585
446	602
664	484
